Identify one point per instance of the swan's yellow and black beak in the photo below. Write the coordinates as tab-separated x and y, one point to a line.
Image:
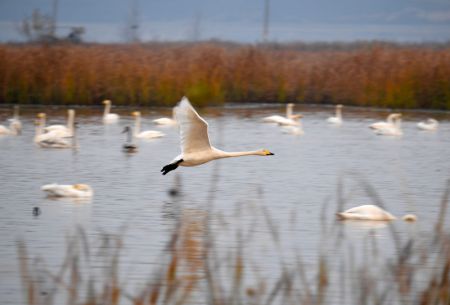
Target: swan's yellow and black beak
267	152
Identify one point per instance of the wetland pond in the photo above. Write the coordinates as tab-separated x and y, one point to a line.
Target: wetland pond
293	195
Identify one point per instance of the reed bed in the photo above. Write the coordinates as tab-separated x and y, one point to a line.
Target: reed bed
377	75
196	269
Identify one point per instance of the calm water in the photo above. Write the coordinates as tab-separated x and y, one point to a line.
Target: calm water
408	173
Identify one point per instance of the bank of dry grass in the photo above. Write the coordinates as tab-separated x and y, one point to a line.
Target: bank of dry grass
379	75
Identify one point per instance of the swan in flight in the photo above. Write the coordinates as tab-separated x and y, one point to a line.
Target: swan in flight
109	117
61	130
129	146
338	118
148	134
384	124
393	130
430	124
15	126
289	119
195	146
49	139
166	121
366	212
63	190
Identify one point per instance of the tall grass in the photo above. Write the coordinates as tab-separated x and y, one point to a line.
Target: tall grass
379	75
195	269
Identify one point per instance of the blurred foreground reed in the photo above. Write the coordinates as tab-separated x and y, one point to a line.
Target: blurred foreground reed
196	269
370	74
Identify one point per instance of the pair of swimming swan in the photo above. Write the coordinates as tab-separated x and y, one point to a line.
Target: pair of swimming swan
371	212
67	190
54	136
195	145
15	126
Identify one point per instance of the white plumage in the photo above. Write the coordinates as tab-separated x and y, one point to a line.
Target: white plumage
338	118
63	190
147	134
109	118
366	212
430	124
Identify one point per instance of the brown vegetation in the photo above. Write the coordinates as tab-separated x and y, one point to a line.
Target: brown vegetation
378	75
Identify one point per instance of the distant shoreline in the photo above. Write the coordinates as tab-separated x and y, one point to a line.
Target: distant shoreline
367	74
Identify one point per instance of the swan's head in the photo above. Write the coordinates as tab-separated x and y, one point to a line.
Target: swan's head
136	113
71	112
107	102
409	217
432	121
82	187
265	152
339	106
41	115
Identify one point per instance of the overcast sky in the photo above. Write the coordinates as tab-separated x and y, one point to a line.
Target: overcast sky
290	20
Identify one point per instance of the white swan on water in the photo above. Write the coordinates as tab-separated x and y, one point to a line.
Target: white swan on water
166	121
289	119
366	212
392	130
195	146
337	119
15	126
109	117
429	124
63	190
61	130
384	124
371	212
49	139
148	134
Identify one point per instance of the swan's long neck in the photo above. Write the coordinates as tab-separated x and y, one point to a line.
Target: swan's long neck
71	120
338	113
226	154
289	111
16	113
137	125
390	118
107	109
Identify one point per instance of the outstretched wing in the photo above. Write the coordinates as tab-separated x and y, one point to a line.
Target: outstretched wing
193	129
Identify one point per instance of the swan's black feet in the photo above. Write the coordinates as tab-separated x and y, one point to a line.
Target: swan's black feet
170	167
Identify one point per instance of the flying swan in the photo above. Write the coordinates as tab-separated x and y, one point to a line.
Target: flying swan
63	190
195	146
148	134
109	117
338	118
